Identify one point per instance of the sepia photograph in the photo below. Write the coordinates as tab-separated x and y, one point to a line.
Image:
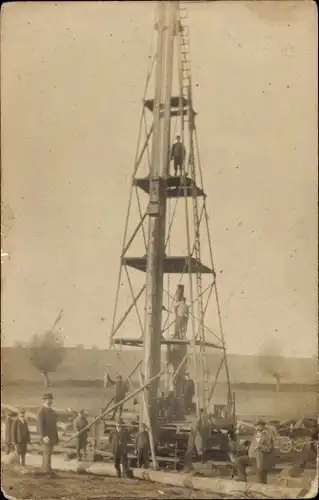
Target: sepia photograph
159	249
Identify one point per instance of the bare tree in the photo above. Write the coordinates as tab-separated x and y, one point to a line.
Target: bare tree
46	352
271	362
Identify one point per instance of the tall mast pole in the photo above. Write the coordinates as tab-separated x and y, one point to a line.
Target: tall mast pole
166	26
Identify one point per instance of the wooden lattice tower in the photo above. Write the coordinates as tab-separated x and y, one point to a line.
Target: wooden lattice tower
169	200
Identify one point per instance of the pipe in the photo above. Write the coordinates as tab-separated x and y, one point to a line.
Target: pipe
182	480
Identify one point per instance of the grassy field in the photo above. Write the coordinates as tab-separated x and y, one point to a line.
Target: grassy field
248	403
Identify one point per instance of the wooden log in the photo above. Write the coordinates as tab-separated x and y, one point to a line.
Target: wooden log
214	485
149	424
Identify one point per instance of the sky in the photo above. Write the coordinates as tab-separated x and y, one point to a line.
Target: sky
73	77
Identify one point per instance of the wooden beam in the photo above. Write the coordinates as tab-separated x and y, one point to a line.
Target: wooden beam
112	408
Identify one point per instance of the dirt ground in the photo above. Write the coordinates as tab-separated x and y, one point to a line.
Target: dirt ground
23	483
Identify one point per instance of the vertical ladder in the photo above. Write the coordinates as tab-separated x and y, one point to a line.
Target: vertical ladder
187	94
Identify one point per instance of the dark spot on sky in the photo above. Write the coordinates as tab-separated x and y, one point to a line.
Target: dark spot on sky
221	271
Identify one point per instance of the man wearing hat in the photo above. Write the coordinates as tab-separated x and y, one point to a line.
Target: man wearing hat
47	427
21	435
79	424
118	443
178	154
260	454
142	446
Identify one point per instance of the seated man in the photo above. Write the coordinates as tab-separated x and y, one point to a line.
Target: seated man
260	454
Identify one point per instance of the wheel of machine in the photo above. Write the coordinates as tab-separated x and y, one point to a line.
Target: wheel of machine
284	444
299	445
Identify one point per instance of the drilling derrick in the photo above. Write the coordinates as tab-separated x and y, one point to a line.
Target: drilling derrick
170	279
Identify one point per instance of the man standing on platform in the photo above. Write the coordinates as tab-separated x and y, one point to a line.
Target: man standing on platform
181	312
47	427
178	155
189	391
121	389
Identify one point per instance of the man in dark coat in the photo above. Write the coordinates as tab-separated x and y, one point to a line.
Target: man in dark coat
80	422
21	435
161	405
189	391
118	443
120	393
203	432
142	447
9	446
178	154
47	427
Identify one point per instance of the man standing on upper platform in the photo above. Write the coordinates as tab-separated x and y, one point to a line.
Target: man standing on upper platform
178	154
181	315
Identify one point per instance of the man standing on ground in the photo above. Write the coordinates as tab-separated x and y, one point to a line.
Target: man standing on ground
260	454
8	443
47	427
118	442
142	446
80	422
21	435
